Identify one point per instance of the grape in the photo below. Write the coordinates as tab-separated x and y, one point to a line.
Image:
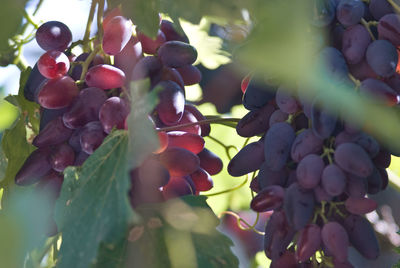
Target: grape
145	67
335	64
152	173
247	160
323	12
150	45
166	74
333	180
382	159
269	198
323	120
349	12
176	187
353	159
179	161
205	128
309	171
382	57
188	118
81	158
305	143
113	113
286	259
380	8
389	28
210	162
254	185
76	70
384	178
394	82
53	64
277	117
309	242
75	140
61	157
335	238
278	235
257	95
362	236
355	43
105	76
278	142
286	101
336	35
53	133
362	70
368	143
171	102
170	33
58	93
188	141
345	264
127	59
47	115
190	74
299	206
321	195
374	182
177	54
255	122
360	205
53	35
34	168
110	14
142	194
85	108
202	180
356	187
267	177
50	185
377	89
31	88
92	136
117	33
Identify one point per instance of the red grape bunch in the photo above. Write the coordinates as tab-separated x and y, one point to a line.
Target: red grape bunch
316	170
84	98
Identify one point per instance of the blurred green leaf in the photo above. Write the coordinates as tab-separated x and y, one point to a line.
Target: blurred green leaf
144	13
181	233
142	136
93	207
23	224
15	145
8	114
11	14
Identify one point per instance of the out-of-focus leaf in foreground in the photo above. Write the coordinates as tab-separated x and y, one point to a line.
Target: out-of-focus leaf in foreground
23	223
181	233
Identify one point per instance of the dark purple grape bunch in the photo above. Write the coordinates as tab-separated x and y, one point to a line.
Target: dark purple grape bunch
81	105
181	166
317	171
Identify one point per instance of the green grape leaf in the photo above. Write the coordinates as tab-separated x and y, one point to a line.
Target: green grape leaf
93	211
15	145
144	15
181	233
93	207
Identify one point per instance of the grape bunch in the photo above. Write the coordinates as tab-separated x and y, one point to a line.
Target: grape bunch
317	170
84	98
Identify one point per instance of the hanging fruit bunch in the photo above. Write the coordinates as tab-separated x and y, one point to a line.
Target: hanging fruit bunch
316	169
83	99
